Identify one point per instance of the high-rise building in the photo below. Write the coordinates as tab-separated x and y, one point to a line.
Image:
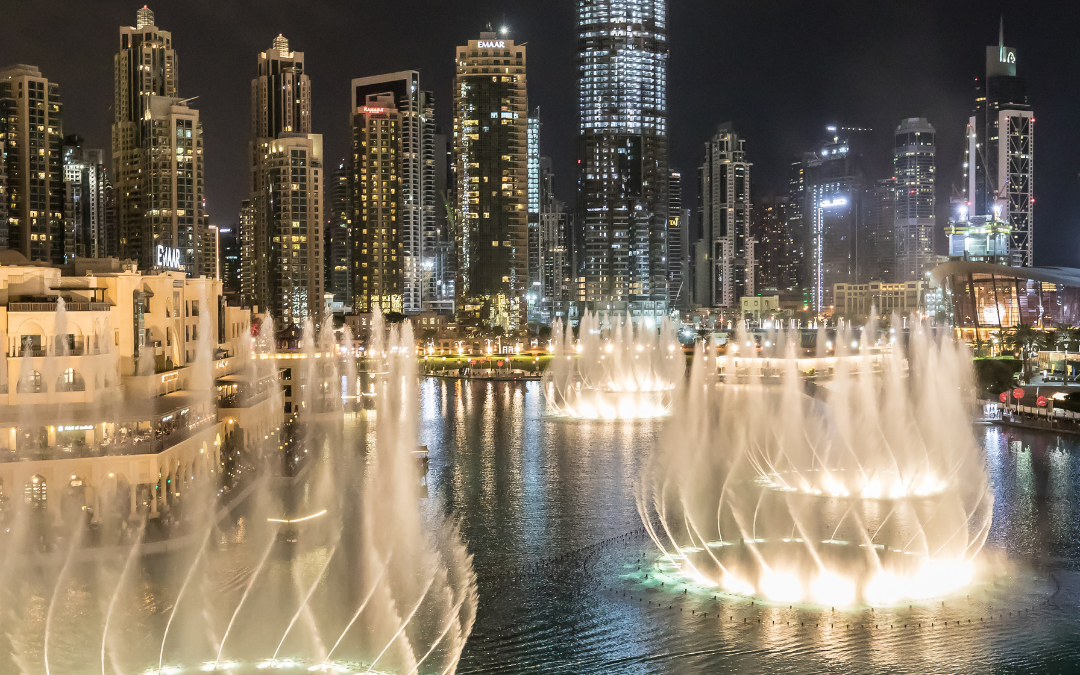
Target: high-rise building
439	238
157	151
678	241
623	152
772	245
3	198
229	240
877	258
415	111
799	258
211	252
726	219
31	129
832	207
86	182
377	243
286	180
491	111
554	287
534	295
245	234
338	272
914	153
1000	153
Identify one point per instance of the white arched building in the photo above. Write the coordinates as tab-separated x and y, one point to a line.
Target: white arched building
110	385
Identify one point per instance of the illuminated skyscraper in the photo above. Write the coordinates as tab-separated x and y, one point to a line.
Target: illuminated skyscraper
377	245
414	110
491	112
1001	150
31	130
338	269
157	150
623	168
678	240
85	184
914	153
286	181
726	222
533	292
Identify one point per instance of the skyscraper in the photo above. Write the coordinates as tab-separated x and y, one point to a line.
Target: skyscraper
1000	157
914	153
31	129
229	239
439	239
377	243
833	186
555	259
286	175
726	220
772	244
623	152
157	150
678	244
491	111
877	247
338	269
3	197
414	110
533	163
86	182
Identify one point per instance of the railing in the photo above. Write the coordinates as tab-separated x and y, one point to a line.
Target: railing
233	401
51	306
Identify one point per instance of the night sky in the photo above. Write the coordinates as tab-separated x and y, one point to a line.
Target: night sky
781	70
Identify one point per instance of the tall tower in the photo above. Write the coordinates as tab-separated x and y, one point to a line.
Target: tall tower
377	243
338	272
678	244
409	103
32	133
85	183
157	151
914	153
832	209
287	174
1001	150
726	218
491	111
623	153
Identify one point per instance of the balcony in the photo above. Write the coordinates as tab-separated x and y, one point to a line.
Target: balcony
51	306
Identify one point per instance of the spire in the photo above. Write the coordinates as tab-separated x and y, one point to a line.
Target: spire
1001	38
144	17
281	45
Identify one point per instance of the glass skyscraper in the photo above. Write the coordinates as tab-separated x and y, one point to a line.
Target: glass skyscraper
623	172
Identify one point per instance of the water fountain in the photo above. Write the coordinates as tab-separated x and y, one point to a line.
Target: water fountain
863	487
342	568
616	370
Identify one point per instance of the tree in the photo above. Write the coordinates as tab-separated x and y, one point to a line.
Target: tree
393	317
1024	340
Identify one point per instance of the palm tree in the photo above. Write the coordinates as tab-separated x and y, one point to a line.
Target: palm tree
1024	340
1067	336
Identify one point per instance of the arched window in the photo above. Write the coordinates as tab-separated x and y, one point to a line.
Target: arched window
31	384
35	494
70	380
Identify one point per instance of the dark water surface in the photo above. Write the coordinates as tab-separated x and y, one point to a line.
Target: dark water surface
547	510
539	497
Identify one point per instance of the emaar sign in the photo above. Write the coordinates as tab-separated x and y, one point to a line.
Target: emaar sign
491	44
168	258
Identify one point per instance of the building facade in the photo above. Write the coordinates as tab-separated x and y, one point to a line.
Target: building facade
86	183
623	153
858	301
338	228
833	209
286	236
914	165
726	219
678	241
491	119
377	255
1001	150
414	109
876	245
157	150
31	129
